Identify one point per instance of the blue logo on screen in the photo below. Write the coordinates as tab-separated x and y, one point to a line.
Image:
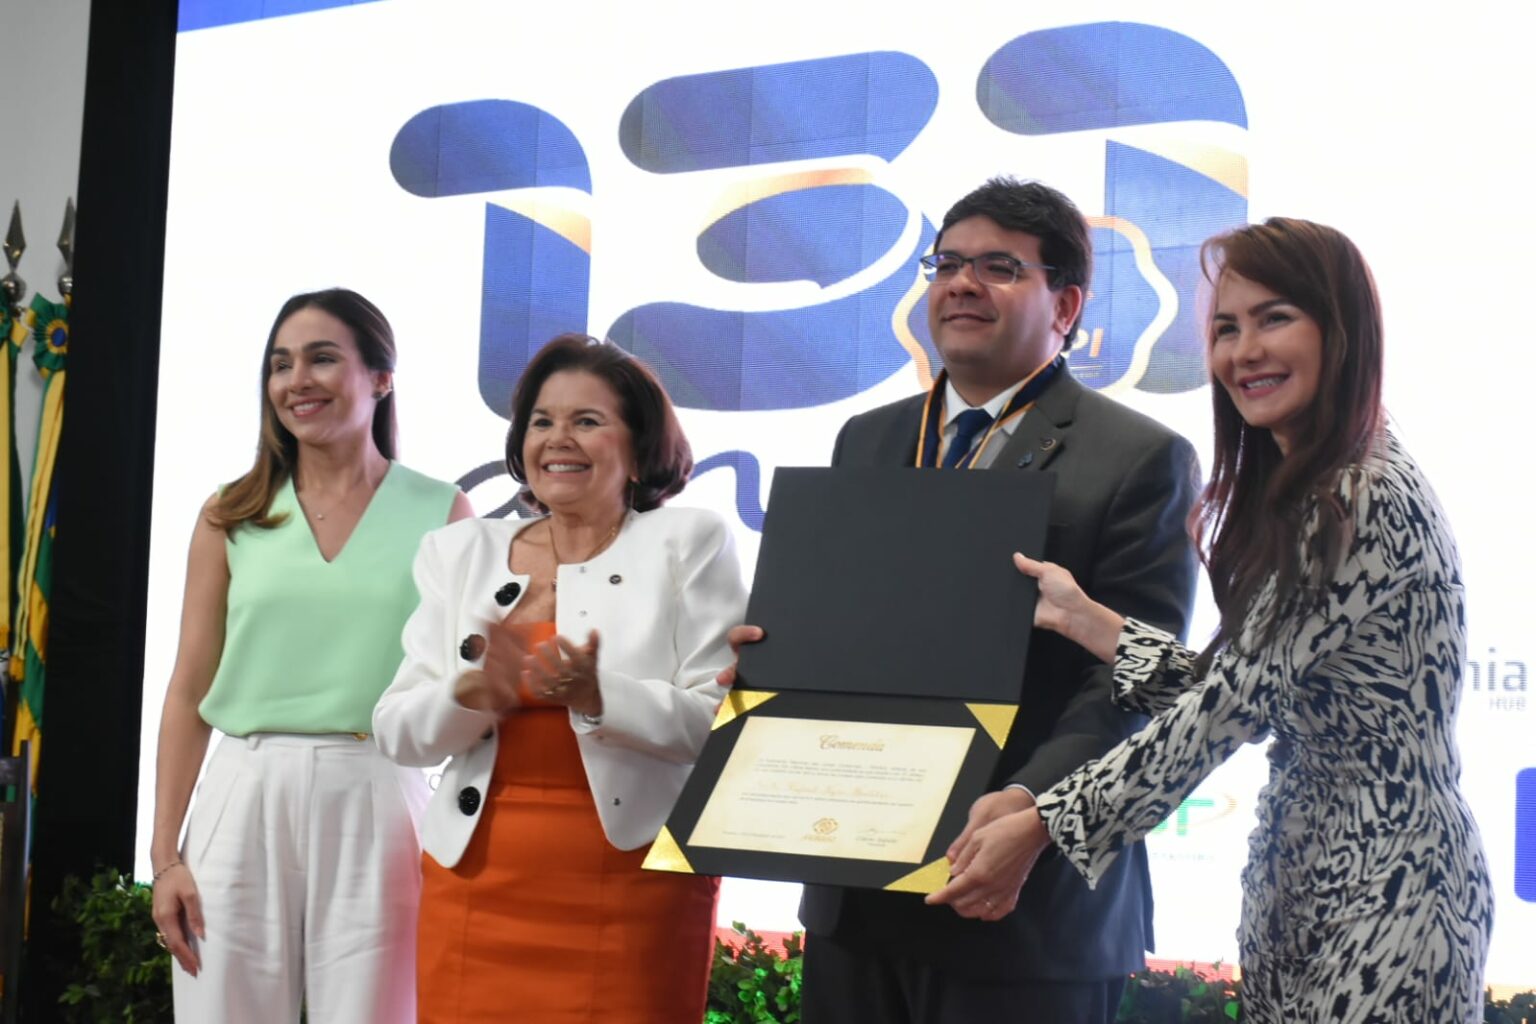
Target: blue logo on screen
195	14
1525	835
793	155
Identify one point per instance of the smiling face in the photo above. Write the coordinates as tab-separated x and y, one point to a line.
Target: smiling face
578	453
1268	356
319	385
993	336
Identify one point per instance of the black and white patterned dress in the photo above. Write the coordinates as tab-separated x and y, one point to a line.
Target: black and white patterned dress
1366	897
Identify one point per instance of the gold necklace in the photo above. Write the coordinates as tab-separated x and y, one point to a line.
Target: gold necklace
318	515
554	581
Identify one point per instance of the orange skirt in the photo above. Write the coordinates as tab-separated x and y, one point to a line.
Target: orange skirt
544	921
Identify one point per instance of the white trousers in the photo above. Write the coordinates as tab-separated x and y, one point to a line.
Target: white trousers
306	857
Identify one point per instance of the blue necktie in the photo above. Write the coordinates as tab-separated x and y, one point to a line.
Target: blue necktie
967	425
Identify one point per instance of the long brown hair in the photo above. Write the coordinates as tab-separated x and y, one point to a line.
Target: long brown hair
249	499
1249	519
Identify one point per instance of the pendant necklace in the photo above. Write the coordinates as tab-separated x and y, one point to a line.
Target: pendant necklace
554	582
318	515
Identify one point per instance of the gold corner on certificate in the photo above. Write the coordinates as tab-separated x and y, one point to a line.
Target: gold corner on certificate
857	790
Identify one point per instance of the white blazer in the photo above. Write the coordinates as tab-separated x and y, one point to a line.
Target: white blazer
661	597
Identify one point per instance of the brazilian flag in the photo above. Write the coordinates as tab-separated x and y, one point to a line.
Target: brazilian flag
34	580
14	333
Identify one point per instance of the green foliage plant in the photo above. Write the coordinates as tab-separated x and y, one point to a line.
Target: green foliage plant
1182	997
1519	1008
752	983
122	975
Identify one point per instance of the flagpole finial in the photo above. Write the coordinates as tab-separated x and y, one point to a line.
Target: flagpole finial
67	247
12	285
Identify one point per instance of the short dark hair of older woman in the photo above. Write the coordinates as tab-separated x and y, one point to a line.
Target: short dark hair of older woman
663	459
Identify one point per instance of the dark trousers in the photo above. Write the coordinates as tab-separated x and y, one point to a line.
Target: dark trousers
846	985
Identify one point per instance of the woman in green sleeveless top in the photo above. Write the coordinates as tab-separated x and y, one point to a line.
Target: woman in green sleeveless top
297	880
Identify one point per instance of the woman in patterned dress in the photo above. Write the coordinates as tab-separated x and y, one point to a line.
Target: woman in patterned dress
1366	894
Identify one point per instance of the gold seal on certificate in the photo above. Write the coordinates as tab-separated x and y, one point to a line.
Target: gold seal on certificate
863	790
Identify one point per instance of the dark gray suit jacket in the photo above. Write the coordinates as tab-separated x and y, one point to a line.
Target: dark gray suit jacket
1124	487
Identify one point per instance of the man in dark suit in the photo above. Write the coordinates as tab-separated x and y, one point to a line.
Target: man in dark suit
1009	272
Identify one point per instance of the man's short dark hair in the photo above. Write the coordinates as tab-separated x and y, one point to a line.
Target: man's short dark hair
1038	210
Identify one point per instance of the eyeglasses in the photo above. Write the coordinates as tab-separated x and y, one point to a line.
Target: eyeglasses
989	267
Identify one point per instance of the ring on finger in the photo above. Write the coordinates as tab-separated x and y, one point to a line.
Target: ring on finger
160	940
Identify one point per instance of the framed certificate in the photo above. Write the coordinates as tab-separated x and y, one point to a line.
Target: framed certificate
872	714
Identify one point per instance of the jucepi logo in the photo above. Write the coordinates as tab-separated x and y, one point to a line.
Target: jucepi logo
825	223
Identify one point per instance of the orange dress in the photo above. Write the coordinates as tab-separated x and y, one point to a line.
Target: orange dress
543	920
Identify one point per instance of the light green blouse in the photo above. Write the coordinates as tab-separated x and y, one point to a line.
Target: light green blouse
308	644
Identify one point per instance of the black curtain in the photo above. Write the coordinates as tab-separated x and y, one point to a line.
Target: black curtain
89	771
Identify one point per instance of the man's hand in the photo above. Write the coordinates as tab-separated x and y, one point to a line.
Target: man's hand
737	636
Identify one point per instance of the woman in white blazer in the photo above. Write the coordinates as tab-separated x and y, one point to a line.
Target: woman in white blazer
565	666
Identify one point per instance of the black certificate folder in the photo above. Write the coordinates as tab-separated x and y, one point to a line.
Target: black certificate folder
871	716
896	582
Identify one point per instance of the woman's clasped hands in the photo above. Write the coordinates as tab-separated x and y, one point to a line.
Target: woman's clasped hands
557	670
